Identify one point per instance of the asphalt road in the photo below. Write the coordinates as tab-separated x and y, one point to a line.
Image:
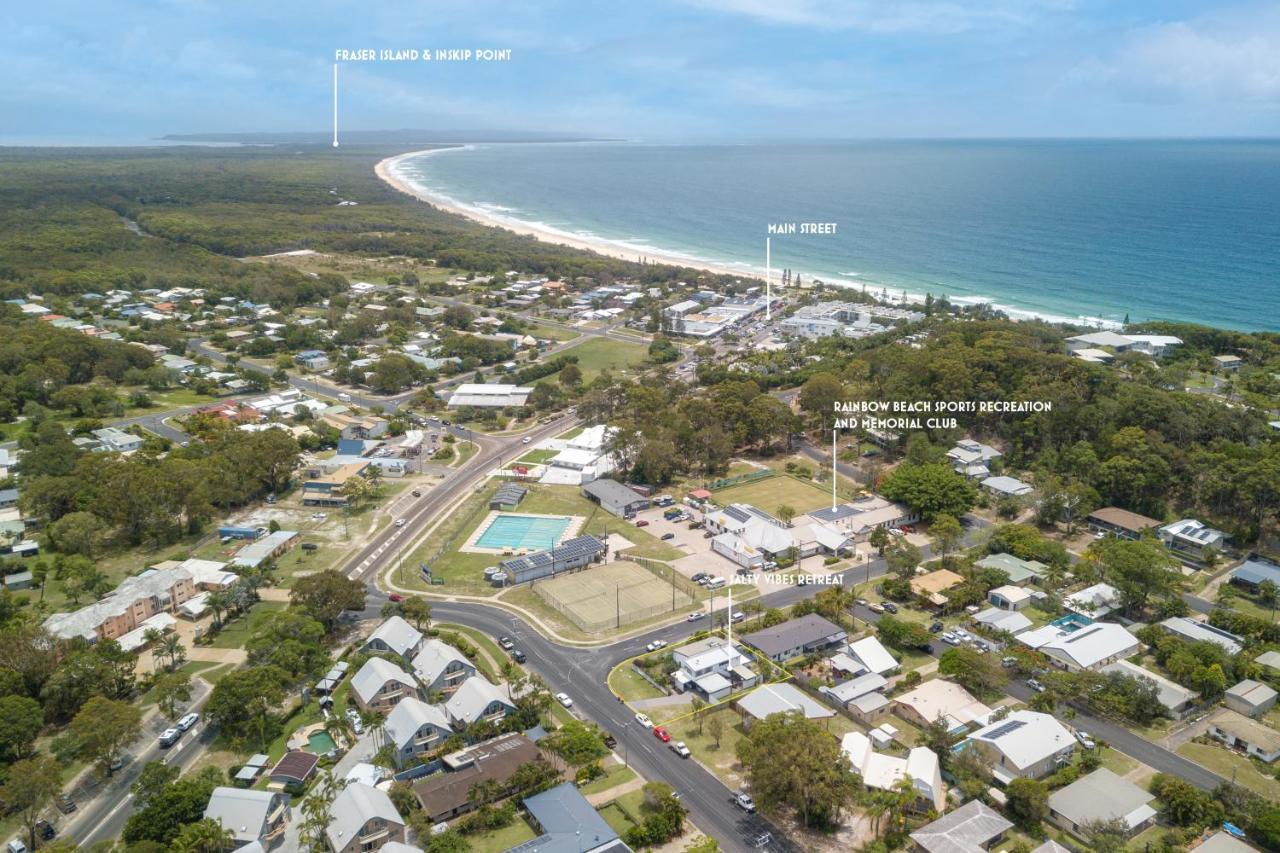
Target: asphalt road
103	809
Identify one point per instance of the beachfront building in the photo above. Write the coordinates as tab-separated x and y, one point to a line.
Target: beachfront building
135	601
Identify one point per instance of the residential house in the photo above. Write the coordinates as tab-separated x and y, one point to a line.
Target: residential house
1095	601
1101	797
872	656
414	728
1002	621
1092	647
1176	699
362	818
329	488
116	440
441	668
1009	597
1251	698
939	699
1007	487
252	816
971	828
796	637
713	668
1228	363
396	636
781	698
1020	572
444	796
1024	744
973	458
477	699
861	697
883	772
1222	842
567	823
931	585
1240	732
379	685
312	359
1197	632
1253	571
615	498
1193	539
1120	522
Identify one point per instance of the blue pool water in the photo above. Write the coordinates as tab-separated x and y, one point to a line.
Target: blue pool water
522	531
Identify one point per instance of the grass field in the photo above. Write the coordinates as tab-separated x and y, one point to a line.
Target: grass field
618	774
235	634
498	840
624	681
537	457
600	354
771	493
1228	765
722	761
619	591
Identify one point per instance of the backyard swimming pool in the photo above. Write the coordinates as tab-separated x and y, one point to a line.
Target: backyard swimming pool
321	743
515	532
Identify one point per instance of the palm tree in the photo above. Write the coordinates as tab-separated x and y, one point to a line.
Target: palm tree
203	836
218	602
152	637
170	646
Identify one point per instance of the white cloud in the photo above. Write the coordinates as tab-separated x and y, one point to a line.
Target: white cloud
892	16
1231	58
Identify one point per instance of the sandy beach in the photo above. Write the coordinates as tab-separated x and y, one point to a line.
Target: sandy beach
387	170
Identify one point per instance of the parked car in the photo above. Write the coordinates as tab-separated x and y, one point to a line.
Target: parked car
935	627
890	607
662	734
417	493
666	536
642	523
699	577
680	749
396	597
643	719
525	440
563	699
65	803
655	645
45	830
506	643
738	616
357	725
609	740
862	602
1009	662
743	801
17	845
169	737
950	639
518	656
1036	685
1085	740
875	607
695	616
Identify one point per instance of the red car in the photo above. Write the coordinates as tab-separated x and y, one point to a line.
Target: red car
642	523
395	596
661	734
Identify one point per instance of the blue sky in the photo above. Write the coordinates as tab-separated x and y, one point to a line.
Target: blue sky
653	69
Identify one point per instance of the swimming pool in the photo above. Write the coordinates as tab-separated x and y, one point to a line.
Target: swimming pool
523	531
321	743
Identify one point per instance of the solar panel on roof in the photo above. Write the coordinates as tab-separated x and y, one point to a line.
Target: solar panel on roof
1007	728
737	514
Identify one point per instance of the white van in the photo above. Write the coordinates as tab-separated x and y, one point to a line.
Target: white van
715	582
345	398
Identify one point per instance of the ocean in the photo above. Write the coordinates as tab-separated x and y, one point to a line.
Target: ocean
1096	230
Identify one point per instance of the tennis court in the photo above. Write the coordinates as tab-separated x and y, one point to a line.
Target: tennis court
600	597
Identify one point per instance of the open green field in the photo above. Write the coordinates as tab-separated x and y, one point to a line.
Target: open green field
498	840
722	761
236	633
618	774
463	573
624	681
537	457
1229	765
600	354
774	492
554	333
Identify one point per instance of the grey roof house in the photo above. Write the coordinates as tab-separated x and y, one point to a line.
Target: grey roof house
796	637
250	815
972	828
477	699
1101	796
440	667
362	818
395	636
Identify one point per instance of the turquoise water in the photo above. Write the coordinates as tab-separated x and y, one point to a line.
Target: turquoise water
522	531
321	743
1183	230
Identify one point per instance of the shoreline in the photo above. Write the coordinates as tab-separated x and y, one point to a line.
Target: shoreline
386	170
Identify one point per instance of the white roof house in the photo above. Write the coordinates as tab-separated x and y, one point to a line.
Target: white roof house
856	688
882	771
1196	632
872	655
1174	697
353	810
1095	601
396	636
435	658
941	699
780	699
489	395
407	720
1026	744
1007	486
1003	620
1101	796
1091	647
250	815
375	674
475	699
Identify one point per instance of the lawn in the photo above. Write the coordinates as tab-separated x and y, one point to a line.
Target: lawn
236	633
618	774
600	354
723	761
1117	762
537	457
498	840
774	492
555	333
491	657
1229	765
624	681
615	818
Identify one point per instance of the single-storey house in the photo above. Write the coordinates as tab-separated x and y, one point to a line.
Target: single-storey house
1240	732
1175	698
883	772
1007	487
1024	744
1009	597
1120	522
782	698
1251	698
1202	632
939	699
1095	601
1020	572
1252	572
1102	796
1091	647
930	586
1007	621
796	637
872	656
973	827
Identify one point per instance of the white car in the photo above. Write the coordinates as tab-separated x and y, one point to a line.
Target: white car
655	645
319	516
643	719
694	617
525	440
399	522
188	721
563	699
678	747
169	737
